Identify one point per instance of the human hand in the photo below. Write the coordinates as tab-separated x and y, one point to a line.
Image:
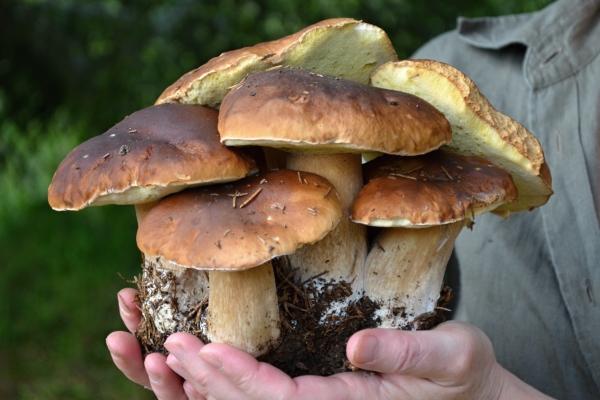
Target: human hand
153	372
455	360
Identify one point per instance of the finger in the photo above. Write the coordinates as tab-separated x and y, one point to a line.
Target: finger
222	372
450	351
203	375
352	386
225	372
127	356
128	308
166	384
191	392
262	381
235	368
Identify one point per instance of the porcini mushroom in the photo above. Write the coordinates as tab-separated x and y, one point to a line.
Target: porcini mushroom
338	46
422	203
325	123
152	153
233	231
477	127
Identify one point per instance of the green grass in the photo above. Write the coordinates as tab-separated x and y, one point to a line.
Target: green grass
58	285
58	274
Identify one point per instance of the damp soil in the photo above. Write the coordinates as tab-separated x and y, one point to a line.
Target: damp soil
163	283
313	340
313	337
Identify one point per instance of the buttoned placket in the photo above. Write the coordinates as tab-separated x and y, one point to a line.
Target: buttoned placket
570	221
571	230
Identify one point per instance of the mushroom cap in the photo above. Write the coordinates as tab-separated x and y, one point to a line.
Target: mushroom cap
338	46
298	110
432	189
274	214
477	128
151	153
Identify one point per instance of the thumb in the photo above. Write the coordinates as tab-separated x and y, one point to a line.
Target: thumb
450	352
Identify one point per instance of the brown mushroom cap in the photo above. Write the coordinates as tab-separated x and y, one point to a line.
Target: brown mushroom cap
432	189
153	152
339	46
308	112
274	214
478	129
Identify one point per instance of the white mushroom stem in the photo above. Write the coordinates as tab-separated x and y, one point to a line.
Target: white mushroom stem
343	251
243	310
171	293
405	269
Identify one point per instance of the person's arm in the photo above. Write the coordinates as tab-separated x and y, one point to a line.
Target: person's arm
455	360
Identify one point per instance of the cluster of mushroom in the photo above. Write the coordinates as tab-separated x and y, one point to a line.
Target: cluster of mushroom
209	244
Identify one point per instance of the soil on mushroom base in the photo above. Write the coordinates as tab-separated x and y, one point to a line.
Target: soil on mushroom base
156	289
313	340
313	336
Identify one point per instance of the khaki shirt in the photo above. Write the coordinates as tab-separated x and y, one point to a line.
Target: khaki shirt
532	282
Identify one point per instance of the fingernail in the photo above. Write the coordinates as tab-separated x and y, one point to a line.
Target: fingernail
123	306
113	354
367	350
153	376
212	360
177	351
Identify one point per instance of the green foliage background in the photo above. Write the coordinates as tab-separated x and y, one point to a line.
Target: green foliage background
69	70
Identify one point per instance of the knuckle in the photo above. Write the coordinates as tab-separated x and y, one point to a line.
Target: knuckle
467	359
407	357
202	378
245	381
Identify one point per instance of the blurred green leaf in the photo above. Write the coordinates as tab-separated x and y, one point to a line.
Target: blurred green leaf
28	158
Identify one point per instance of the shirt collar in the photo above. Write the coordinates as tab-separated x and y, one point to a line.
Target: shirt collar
561	39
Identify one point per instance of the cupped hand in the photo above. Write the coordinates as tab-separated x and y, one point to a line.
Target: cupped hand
454	361
153	372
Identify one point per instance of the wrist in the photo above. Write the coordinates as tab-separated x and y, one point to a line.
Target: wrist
514	389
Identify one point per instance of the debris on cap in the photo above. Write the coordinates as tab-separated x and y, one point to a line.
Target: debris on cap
271	214
152	153
299	110
433	189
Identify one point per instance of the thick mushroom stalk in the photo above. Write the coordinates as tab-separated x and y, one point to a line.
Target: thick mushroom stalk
233	231
404	272
172	298
243	310
342	253
421	203
325	123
